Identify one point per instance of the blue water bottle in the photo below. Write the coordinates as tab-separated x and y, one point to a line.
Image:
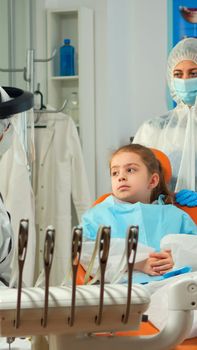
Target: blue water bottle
67	53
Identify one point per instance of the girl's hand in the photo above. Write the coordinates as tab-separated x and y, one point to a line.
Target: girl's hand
162	262
145	266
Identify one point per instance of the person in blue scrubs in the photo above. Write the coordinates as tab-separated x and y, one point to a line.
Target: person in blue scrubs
139	197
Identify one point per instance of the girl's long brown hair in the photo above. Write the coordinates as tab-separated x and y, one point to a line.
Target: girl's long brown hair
153	165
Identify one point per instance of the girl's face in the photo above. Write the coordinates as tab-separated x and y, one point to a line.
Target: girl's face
130	179
185	70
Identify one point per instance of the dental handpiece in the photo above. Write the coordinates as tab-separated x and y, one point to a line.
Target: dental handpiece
76	254
104	246
49	246
131	249
22	251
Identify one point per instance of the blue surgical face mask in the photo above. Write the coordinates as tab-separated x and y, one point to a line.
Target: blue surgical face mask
186	89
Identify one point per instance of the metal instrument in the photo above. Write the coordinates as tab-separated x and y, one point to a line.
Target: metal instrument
104	246
22	251
131	249
76	254
48	258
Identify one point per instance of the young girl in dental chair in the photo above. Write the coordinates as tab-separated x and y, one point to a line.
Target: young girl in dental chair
139	197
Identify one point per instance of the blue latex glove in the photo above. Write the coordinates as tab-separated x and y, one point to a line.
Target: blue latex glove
186	197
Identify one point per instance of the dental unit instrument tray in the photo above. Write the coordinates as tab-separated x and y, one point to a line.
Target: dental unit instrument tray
20	101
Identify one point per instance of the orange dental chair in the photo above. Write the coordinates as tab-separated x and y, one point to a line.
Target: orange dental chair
84	331
147	328
77	318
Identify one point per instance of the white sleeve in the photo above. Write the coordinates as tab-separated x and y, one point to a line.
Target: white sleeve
80	188
146	135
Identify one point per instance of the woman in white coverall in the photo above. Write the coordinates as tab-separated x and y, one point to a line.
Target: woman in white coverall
176	133
15	184
6	233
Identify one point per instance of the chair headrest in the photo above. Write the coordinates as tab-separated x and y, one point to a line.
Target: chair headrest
165	163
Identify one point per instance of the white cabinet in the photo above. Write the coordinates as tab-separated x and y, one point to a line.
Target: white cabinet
77	25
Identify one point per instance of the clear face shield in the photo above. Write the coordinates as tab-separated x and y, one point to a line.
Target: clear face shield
12	102
5	136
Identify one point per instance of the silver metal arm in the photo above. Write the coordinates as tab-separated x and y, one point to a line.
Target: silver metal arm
35	60
28	71
12	70
46	59
44	111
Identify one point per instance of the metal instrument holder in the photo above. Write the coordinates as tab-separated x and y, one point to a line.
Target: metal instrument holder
43	109
28	75
38	92
104	246
48	258
76	254
22	251
131	249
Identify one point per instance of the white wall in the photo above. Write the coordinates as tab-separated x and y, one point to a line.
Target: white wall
149	51
136	63
130	60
